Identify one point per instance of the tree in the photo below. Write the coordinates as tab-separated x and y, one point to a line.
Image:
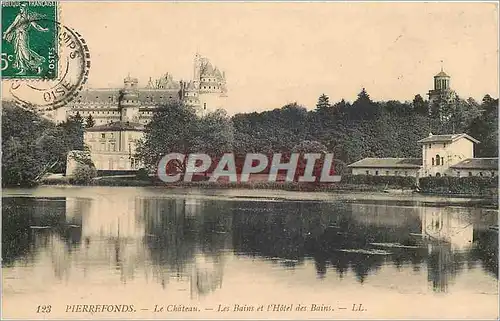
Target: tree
90	122
33	146
171	130
29	146
363	97
323	102
308	146
420	106
214	134
485	128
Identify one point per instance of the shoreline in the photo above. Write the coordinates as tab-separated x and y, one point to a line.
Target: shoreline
249	194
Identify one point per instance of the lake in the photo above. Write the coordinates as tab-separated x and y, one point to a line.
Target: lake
128	252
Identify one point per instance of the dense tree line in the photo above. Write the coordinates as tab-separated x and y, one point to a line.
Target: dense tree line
352	131
33	146
366	128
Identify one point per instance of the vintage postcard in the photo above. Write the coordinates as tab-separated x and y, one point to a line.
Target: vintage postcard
249	160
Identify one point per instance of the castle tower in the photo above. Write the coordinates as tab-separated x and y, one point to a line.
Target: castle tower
189	94
129	100
197	68
212	87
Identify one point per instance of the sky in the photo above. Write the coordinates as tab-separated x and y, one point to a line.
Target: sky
277	53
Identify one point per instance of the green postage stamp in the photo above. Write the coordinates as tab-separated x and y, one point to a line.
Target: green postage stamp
29	40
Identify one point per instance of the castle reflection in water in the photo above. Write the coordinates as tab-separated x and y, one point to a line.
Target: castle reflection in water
167	240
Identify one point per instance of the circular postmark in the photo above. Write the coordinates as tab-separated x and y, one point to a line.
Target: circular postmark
73	60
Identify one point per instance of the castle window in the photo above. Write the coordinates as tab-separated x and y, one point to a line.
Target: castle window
481	174
406	173
470	173
438	160
376	173
458	173
442	161
492	174
430	145
103	135
396	173
387	173
432	161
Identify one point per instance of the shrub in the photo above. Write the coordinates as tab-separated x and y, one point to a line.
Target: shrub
142	174
83	175
459	185
393	181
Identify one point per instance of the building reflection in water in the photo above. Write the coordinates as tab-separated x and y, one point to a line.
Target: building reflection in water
362	238
152	239
185	242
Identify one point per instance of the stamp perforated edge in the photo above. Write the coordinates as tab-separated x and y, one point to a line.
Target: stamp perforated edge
58	24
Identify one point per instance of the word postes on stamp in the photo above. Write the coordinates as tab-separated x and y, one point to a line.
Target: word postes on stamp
29	40
50	95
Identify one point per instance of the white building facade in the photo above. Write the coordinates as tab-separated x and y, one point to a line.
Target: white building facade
442	155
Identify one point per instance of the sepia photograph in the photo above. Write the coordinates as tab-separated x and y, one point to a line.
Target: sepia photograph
249	160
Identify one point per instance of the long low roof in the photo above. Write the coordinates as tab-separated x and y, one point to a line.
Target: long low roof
388	163
477	163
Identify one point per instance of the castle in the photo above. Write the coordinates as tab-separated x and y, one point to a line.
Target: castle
206	92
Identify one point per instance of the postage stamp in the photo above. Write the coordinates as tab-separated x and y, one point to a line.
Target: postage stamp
29	40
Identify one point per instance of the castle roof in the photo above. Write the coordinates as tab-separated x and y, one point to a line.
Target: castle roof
130	79
164	82
446	138
477	163
207	69
117	126
111	95
388	163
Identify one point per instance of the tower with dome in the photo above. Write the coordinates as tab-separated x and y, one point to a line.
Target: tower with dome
442	91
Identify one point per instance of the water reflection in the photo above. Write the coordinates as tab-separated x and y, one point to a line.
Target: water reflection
186	243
